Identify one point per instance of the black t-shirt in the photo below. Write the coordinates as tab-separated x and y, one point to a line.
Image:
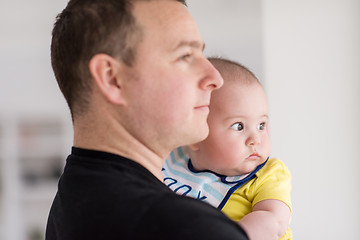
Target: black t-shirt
106	196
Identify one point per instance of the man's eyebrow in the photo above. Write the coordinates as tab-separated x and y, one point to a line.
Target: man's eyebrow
193	44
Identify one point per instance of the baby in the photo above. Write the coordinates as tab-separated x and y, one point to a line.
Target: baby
231	169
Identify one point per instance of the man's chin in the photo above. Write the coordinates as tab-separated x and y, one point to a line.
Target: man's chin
201	135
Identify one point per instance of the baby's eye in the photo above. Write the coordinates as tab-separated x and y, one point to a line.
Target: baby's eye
261	126
238	126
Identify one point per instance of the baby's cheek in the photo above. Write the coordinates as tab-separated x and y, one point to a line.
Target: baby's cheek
266	147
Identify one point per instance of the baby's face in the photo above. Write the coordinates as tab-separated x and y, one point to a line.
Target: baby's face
239	137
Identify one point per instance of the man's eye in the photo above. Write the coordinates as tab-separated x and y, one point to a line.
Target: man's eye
185	57
238	126
261	126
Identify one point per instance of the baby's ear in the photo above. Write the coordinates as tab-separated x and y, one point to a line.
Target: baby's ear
194	147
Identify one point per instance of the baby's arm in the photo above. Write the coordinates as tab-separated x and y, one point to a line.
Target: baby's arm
268	220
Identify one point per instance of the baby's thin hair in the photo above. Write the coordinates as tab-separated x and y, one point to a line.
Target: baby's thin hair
235	69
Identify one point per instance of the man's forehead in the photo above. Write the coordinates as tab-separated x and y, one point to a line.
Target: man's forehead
168	24
160	10
163	16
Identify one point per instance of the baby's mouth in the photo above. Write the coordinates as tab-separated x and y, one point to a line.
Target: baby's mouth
253	156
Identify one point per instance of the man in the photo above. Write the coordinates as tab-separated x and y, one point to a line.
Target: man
137	84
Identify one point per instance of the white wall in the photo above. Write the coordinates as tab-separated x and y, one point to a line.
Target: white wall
28	85
28	92
231	29
312	73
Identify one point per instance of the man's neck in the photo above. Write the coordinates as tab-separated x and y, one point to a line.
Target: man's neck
115	139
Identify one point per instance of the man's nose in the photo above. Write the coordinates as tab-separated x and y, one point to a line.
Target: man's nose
212	79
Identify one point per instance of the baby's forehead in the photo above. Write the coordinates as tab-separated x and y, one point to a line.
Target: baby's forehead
238	94
237	82
239	99
230	91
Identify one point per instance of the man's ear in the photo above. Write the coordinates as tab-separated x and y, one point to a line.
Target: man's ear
105	71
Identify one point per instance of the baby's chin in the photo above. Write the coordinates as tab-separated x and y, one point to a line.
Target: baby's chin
246	168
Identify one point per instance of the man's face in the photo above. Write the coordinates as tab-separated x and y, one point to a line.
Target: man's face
170	83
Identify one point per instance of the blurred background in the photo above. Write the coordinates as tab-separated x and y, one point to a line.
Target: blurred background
306	53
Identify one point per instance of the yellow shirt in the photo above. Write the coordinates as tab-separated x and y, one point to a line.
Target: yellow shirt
272	181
